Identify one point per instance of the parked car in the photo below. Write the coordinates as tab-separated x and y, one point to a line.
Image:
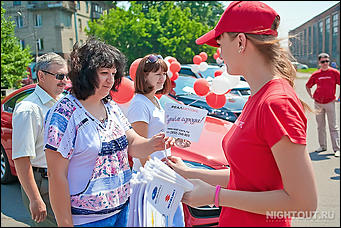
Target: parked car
299	66
207	153
184	92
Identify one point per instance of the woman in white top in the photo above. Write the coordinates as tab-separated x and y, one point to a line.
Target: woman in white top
145	113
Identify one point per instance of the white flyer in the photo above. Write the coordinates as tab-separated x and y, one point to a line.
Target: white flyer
183	121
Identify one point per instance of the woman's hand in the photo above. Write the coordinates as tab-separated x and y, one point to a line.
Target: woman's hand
201	195
177	165
160	142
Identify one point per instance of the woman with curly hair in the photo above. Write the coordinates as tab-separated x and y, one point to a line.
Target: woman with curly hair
87	142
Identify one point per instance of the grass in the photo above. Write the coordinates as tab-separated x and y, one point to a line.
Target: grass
309	70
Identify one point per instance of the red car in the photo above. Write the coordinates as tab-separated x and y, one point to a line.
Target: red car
205	154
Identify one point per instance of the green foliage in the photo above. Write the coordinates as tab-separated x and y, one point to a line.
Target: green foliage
309	70
14	60
161	27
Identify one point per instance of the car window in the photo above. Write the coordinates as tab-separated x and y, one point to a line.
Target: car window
186	71
10	104
165	100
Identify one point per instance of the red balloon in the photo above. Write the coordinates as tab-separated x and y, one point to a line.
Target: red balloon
203	55
175	76
215	101
172	59
133	68
125	91
175	67
197	59
218	73
215	55
201	87
218	51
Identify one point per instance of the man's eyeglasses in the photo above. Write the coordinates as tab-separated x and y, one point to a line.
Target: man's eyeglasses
58	76
324	61
153	58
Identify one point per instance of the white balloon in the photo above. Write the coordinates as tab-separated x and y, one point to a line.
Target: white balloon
166	59
220	85
233	79
168	64
203	66
219	61
195	68
170	74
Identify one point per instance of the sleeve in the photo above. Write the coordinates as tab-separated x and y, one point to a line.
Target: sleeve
23	143
337	75
121	117
138	111
283	117
311	81
60	131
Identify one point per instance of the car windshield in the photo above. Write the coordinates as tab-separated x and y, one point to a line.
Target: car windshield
209	72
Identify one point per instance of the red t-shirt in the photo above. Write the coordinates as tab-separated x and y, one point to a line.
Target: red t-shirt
268	115
326	84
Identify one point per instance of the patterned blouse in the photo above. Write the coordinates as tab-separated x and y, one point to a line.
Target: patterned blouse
98	172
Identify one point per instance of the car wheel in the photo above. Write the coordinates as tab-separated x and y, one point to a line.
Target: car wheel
6	175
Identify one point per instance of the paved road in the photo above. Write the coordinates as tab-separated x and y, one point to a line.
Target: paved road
326	167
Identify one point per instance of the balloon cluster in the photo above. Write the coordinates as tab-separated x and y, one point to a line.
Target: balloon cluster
126	90
216	89
173	67
217	56
199	62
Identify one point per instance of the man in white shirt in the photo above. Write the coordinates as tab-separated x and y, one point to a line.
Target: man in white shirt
27	137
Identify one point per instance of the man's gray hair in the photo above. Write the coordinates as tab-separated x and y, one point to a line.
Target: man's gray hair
47	59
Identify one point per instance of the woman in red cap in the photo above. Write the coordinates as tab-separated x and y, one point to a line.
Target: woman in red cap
271	177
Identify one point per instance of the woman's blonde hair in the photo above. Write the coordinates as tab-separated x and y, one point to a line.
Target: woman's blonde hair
275	55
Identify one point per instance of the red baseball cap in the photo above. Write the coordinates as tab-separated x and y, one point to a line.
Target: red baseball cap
242	16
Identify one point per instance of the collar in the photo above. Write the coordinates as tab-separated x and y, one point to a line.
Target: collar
43	95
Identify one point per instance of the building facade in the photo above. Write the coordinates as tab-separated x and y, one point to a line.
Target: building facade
320	34
53	26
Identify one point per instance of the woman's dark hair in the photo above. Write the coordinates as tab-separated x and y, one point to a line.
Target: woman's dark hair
143	69
86	59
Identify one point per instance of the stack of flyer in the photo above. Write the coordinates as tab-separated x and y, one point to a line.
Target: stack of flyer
156	193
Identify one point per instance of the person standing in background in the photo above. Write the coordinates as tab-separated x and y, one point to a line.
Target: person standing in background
325	79
28	137
145	113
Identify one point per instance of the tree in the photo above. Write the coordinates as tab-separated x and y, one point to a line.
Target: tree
208	12
159	27
14	60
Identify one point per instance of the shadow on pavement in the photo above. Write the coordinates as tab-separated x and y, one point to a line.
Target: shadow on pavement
318	156
11	203
336	171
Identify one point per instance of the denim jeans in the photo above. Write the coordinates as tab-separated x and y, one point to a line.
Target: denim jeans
117	220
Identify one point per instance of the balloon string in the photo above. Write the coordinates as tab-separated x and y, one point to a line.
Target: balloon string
192	102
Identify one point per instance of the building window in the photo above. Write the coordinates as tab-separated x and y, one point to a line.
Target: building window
315	39
19	21
87	6
305	42
309	40
320	37
16	3
301	44
78	5
38	20
71	43
335	41
81	42
22	44
40	44
327	35
80	24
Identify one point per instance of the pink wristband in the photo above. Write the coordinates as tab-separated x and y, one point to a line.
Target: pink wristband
216	198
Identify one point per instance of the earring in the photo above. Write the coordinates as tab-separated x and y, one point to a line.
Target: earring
240	49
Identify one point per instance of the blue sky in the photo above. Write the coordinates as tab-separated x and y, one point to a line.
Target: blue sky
295	13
